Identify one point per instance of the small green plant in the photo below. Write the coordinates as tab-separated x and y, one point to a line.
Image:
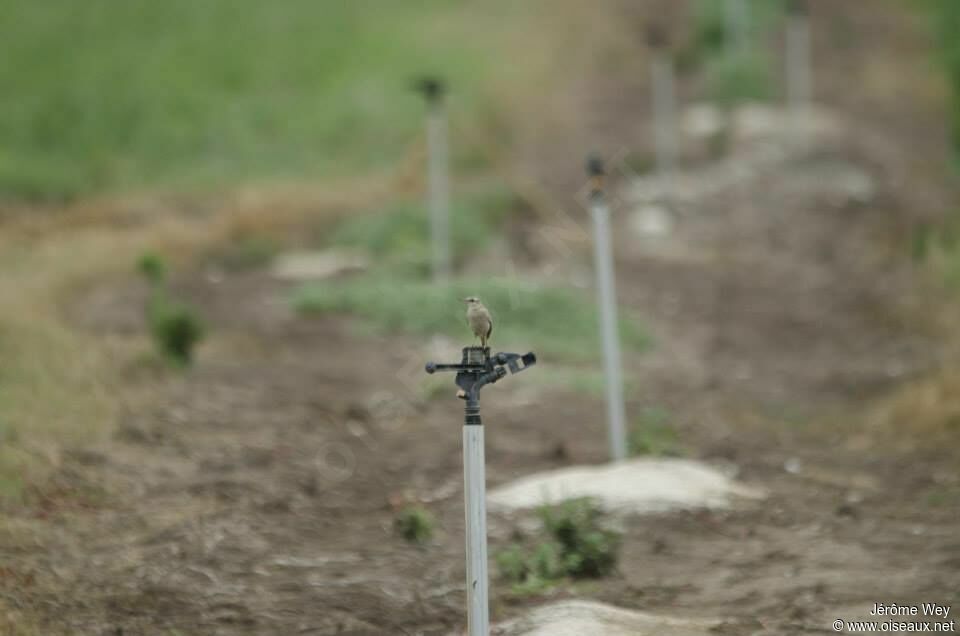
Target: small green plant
576	546
175	327
153	268
586	548
415	524
653	435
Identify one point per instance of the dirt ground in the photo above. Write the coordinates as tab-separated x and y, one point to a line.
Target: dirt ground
255	494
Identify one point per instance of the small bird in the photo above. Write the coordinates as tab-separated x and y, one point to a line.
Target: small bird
479	319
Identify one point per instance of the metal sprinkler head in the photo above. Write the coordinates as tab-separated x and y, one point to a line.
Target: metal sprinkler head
431	87
657	36
476	369
597	174
595	166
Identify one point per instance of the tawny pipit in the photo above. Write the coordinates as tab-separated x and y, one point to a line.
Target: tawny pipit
479	319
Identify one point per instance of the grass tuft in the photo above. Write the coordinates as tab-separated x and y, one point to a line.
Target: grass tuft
415	524
175	326
587	550
153	268
573	544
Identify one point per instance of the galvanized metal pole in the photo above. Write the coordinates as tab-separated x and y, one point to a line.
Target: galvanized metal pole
438	174
736	27
663	109
476	370
475	507
607	300
799	64
664	104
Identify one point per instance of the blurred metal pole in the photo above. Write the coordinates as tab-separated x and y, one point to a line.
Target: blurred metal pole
438	174
799	64
736	27
607	299
664	102
475	509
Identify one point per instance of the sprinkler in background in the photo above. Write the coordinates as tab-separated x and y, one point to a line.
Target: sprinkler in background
662	78
607	301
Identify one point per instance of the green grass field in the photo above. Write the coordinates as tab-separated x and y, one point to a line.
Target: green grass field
107	95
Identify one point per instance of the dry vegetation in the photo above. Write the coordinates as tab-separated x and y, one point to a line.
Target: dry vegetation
62	386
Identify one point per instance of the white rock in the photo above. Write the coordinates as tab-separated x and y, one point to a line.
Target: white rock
702	121
638	486
651	221
588	618
318	265
759	120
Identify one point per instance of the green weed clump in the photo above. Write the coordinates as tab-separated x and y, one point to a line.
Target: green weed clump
575	545
525	315
586	548
153	268
176	329
175	326
415	524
